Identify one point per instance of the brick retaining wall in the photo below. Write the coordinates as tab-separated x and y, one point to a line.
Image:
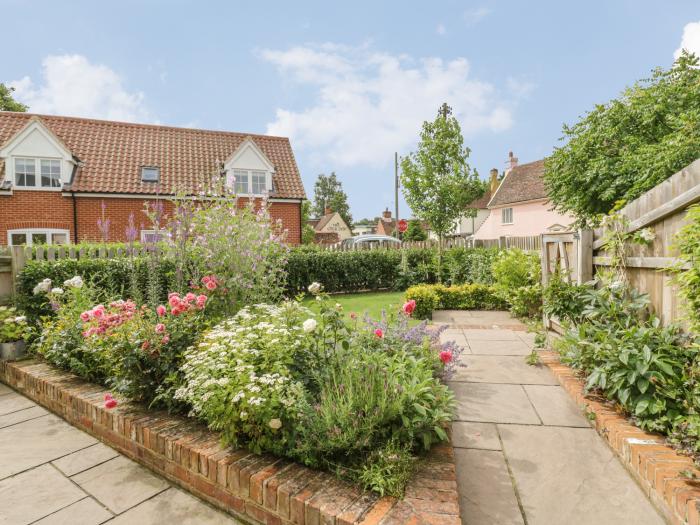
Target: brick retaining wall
656	466
258	489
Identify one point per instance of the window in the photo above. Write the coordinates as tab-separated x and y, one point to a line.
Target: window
26	173
150	236
34	236
150	174
250	182
507	216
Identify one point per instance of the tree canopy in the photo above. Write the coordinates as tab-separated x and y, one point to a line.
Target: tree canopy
625	147
414	232
7	103
437	181
328	193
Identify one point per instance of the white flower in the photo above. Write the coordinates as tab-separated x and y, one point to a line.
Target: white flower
647	235
43	287
309	325
74	282
20	319
57	291
275	424
315	288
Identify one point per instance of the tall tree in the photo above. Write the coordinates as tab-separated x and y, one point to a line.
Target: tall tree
625	147
414	232
308	234
7	103
328	193
437	181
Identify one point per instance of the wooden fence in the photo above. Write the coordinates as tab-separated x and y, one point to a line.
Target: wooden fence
531	243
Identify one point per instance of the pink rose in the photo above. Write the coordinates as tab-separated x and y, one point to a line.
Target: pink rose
166	339
146	345
445	356
160	310
211	285
98	312
160	328
379	333
409	307
177	310
108	396
190	297
85	316
110	403
353	315
206	279
174	300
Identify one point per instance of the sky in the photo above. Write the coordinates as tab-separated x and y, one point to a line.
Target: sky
349	83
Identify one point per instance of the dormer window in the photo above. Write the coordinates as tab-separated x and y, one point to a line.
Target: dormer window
250	182
150	174
37	173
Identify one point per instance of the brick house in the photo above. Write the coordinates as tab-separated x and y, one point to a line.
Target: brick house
57	173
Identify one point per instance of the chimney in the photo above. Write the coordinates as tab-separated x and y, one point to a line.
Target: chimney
494	180
327	210
386	214
512	160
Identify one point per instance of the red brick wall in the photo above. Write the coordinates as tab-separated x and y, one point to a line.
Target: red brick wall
46	209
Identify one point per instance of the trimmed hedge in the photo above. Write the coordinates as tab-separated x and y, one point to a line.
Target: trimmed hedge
431	297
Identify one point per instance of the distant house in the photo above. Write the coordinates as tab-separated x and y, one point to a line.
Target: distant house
386	224
520	207
478	210
330	226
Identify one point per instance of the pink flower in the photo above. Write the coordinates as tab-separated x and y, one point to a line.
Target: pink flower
379	333
97	312
201	301
211	285
160	310
445	356
160	328
409	307
190	297
110	403
177	310
206	279
108	396
85	316
146	345
166	339
353	315
174	300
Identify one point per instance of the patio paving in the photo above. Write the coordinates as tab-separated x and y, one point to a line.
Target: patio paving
525	453
52	473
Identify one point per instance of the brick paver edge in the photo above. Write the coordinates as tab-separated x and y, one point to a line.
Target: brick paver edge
254	488
655	465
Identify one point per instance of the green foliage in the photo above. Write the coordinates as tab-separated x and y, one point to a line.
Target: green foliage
457	297
328	193
516	276
7	103
414	232
13	327
388	470
688	244
469	265
308	234
437	181
623	148
563	300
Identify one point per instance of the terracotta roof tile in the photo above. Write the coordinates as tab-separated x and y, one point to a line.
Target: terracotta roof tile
482	202
522	183
113	153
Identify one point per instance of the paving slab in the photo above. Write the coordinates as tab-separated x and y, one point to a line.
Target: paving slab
22	415
120	483
456	338
487	496
502	369
483	436
173	506
528	338
84	512
13	402
84	459
485	334
487	403
32	495
555	407
4	389
486	347
568	475
31	443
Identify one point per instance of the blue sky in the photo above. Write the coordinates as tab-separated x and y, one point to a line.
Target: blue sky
350	84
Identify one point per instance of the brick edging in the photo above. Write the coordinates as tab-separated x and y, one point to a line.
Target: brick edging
255	488
655	465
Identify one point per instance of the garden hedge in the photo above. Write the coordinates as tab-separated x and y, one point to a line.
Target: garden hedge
431	297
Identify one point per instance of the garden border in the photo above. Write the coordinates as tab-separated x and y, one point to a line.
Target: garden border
655	465
255	488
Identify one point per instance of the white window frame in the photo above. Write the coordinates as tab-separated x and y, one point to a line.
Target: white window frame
249	172
162	232
37	174
151	181
503	215
30	232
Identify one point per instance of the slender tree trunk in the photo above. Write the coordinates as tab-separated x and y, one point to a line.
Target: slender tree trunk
439	261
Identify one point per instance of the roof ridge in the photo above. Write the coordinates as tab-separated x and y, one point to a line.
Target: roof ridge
137	124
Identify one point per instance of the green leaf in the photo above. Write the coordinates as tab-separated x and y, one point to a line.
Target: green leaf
641	406
642	384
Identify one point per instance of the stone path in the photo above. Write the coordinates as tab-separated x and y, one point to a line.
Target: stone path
525	453
52	473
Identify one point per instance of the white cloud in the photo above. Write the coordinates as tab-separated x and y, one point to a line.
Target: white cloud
476	15
690	40
369	104
520	88
441	29
71	85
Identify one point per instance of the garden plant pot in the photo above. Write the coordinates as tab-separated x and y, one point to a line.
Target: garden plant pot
12	351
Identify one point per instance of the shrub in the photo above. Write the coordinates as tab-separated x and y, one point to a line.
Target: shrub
564	301
516	276
13	327
469	265
688	242
462	297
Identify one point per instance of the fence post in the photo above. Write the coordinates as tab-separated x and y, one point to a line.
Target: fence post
18	262
584	264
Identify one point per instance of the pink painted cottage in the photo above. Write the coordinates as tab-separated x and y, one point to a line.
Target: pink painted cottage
519	207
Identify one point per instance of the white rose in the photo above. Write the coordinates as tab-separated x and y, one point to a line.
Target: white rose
74	282
309	325
315	288
57	291
43	287
275	424
20	319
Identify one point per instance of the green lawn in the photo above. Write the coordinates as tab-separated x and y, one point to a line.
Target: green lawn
372	302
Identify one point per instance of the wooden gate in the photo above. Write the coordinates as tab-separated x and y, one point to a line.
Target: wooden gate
570	253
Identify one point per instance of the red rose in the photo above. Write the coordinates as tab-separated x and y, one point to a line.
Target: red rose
445	356
379	333
409	307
